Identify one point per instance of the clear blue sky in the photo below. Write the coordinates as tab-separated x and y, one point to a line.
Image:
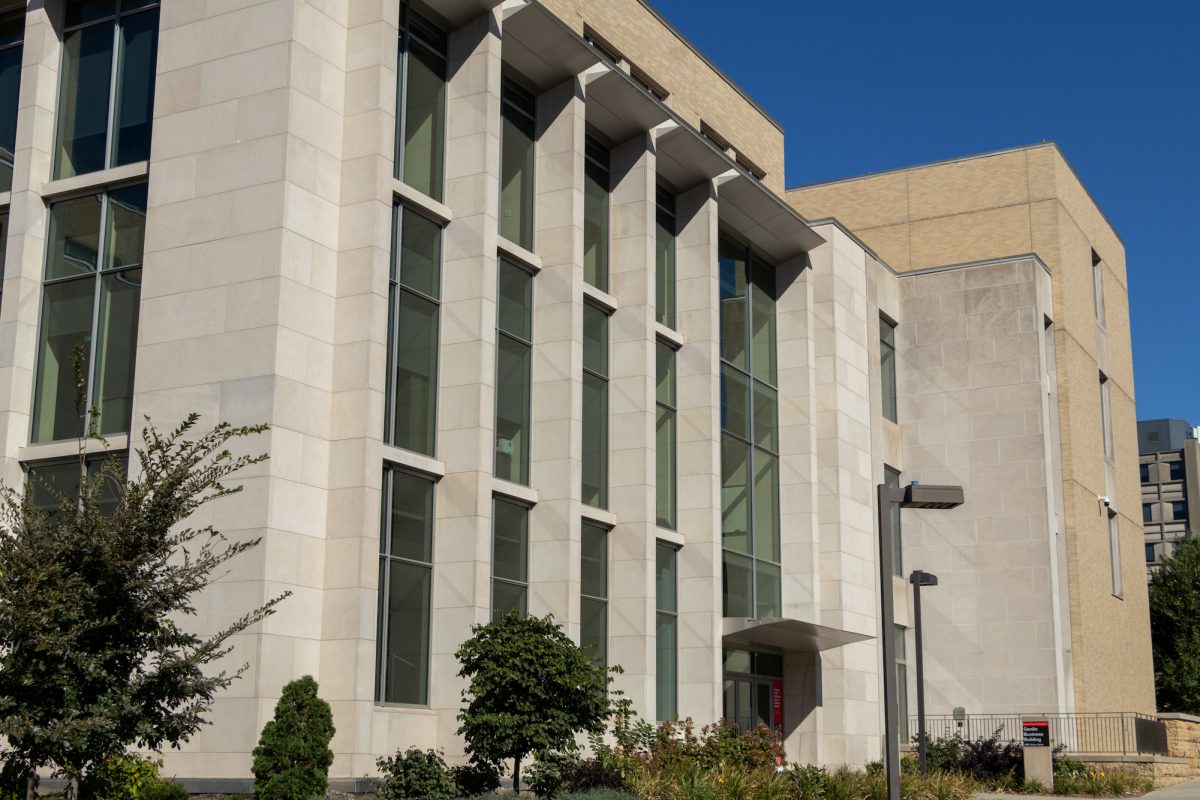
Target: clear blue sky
866	86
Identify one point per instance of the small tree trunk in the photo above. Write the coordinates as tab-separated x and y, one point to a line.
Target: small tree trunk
72	790
517	775
31	786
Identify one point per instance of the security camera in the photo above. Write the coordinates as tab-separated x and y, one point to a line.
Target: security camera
1105	500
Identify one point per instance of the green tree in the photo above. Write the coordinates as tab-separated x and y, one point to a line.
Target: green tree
531	690
1175	628
92	656
292	759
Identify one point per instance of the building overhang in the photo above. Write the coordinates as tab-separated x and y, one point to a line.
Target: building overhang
788	635
459	12
619	107
540	47
756	214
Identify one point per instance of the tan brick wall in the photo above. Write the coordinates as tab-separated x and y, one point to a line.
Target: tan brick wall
696	90
1005	204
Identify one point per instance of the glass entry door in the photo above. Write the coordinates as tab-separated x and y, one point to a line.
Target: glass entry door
752	698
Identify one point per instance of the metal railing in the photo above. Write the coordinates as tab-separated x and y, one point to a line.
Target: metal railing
1117	733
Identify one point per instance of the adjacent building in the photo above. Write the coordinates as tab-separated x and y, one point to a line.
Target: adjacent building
518	288
1170	477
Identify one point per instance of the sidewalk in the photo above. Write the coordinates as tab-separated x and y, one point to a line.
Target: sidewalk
1183	791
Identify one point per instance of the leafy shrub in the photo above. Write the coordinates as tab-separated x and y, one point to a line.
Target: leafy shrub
1074	777
130	777
808	781
475	778
551	772
989	757
416	774
291	761
945	753
593	773
597	794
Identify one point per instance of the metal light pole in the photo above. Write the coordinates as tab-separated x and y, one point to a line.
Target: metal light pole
918	579
911	496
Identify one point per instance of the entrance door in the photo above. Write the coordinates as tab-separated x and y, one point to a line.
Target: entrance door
750	701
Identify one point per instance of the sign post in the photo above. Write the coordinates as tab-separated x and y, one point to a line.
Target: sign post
1035	741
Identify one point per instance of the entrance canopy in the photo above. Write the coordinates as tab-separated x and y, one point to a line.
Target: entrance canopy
788	635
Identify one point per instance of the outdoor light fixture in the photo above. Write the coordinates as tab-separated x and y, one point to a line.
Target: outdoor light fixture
914	495
918	579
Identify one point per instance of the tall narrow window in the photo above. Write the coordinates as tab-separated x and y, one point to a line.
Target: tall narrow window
666	633
887	366
902	680
749	436
514	355
106	89
414	293
405	578
593	601
892	478
1114	554
1098	286
595	406
596	188
664	262
421	104
517	131
510	558
665	438
90	314
12	35
1106	416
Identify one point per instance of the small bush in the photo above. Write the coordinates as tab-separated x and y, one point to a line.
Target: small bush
162	789
291	761
416	775
808	781
593	773
475	778
129	777
945	753
552	772
597	794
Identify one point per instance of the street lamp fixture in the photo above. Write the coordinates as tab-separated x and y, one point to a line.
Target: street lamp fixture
918	579
914	495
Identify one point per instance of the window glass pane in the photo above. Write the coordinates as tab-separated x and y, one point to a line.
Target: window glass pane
664	457
664	268
735	402
595	217
767	590
415	374
10	89
666	666
1176	470
665	369
74	237
892	479
511	541
735	494
116	345
1144	473
593	628
83	101
66	326
594	567
1114	548
46	482
135	87
516	166
508	597
766	411
762	308
411	517
424	120
766	506
737	583
595	339
406	661
666	576
1179	510
126	227
734	327
515	302
420	253
3	241
80	11
595	441
512	409
887	367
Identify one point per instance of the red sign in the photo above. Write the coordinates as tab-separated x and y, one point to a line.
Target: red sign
777	702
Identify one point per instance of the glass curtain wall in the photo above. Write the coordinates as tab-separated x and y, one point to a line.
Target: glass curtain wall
12	37
666	633
749	435
595	406
593	590
892	479
405	578
89	319
414	296
106	91
887	367
510	558
596	187
664	262
421	103
518	115
665	438
514	357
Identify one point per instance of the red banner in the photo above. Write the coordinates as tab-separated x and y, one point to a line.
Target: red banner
777	702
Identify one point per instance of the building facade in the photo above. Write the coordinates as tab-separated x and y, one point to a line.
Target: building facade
515	286
1170	476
